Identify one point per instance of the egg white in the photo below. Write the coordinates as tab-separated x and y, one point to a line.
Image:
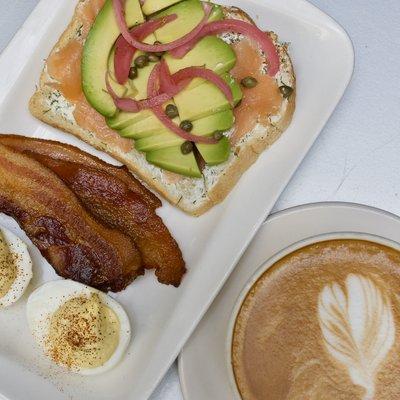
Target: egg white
23	262
48	298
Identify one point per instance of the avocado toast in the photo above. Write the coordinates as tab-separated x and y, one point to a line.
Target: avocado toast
72	96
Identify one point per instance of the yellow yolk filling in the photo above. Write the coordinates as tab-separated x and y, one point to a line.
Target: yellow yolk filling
84	333
8	268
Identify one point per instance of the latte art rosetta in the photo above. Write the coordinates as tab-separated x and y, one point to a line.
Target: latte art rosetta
358	328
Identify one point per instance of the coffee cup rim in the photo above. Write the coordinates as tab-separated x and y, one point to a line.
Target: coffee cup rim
266	265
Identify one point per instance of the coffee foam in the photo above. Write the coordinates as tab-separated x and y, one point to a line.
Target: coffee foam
320	324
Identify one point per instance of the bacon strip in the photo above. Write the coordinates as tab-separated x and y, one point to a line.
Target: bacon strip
114	204
66	152
75	244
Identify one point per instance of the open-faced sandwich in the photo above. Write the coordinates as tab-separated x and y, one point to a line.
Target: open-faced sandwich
187	94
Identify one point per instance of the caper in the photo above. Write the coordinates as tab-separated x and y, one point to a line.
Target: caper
187	147
142	61
286	91
249	82
159	53
153	57
218	135
186	125
171	111
133	73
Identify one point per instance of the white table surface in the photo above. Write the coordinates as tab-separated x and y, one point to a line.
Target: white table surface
357	156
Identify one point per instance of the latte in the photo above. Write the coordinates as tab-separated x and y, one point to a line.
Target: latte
323	323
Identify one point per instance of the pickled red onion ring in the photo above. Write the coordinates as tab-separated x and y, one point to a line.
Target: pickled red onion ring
119	11
173	84
153	84
242	27
167	84
124	52
202	72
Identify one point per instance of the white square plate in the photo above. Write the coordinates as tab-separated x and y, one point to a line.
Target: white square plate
164	317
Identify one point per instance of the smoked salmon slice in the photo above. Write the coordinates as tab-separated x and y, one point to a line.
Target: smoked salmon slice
259	102
64	66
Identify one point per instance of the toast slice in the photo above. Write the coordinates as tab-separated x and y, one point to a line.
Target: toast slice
193	195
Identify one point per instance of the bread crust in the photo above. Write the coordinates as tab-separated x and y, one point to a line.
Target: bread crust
179	195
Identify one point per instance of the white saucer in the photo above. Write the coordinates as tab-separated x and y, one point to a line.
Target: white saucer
203	367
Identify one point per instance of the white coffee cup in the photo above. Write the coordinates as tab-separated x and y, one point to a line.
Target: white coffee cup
267	265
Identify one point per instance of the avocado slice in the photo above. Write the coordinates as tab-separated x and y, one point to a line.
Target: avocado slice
131	124
140	82
123	119
189	15
211	52
145	128
172	159
158	141
214	154
222	121
203	127
152	6
206	99
96	52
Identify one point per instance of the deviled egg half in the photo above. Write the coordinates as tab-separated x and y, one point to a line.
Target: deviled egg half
15	268
78	327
